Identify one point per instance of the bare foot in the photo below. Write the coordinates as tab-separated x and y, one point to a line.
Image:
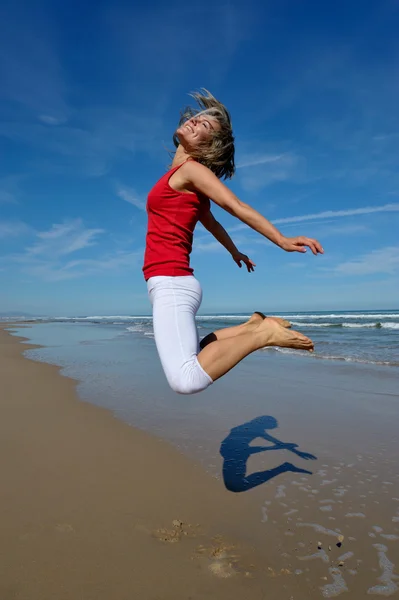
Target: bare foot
282	322
273	334
258	316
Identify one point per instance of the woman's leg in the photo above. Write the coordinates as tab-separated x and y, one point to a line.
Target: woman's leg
249	325
222	355
175	302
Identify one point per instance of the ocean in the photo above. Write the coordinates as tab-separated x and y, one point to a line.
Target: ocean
368	337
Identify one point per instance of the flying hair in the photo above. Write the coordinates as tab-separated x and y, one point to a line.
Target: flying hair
218	153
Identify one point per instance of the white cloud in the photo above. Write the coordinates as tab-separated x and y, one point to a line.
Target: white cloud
243	243
328	214
110	263
91	144
129	195
9	188
13	228
6	197
49	120
208	246
48	259
383	260
339	230
253	160
63	239
261	170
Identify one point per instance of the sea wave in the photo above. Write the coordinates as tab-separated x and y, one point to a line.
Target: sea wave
373	324
349	359
343	316
377	325
222	317
111	318
307	317
137	328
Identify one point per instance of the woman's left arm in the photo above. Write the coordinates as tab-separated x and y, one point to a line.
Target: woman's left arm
202	179
219	233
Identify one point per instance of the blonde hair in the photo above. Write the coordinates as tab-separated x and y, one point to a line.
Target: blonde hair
218	153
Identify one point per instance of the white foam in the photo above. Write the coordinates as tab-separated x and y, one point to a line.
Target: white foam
135	328
374	324
280	491
113	317
388	586
320	529
322	554
359	325
331	590
296	324
346	556
369	315
316	356
291	512
219	317
328	482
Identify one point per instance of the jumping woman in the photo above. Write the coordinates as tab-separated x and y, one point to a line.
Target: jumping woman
204	155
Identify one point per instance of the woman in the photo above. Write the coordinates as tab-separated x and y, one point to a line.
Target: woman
204	155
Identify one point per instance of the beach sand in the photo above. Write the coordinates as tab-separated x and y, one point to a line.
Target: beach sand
93	508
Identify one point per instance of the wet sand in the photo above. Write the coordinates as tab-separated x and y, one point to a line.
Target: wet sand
93	508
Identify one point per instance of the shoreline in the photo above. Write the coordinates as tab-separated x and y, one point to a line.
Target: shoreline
348	338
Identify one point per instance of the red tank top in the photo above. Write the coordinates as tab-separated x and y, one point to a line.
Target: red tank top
172	217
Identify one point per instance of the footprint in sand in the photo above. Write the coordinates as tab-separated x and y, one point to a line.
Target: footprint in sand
175	534
219	554
221	567
223	563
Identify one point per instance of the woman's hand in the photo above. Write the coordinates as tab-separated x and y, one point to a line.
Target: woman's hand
239	257
298	244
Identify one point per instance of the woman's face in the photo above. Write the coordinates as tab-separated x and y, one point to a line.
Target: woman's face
197	131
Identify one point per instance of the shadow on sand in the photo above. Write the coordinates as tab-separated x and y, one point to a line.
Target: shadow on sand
236	450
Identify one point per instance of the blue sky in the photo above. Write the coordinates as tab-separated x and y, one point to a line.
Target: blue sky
90	95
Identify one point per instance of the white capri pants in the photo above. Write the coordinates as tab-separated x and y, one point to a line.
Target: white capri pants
175	302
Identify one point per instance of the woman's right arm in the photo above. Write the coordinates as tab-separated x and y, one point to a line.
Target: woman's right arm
201	179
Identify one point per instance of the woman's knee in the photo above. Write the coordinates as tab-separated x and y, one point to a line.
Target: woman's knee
180	385
189	380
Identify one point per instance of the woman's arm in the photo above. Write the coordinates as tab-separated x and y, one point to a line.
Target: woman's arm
200	178
219	233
